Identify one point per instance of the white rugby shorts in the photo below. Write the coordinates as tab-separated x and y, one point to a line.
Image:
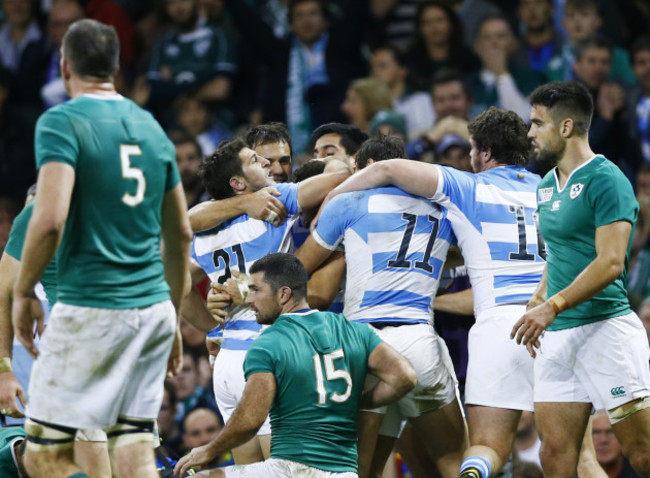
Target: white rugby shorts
229	382
499	372
96	364
277	468
604	363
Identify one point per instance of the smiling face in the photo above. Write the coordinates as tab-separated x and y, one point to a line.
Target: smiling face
450	99
263	300
547	142
257	174
279	156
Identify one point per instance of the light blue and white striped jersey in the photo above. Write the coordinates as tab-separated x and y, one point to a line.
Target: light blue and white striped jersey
236	244
492	214
395	247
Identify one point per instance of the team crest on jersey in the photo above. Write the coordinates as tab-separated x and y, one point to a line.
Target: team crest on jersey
576	189
172	50
544	195
556	206
201	47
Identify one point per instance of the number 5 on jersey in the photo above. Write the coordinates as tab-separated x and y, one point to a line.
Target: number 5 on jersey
331	374
129	172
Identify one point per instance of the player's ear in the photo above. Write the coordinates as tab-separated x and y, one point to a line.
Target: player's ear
284	294
237	183
566	127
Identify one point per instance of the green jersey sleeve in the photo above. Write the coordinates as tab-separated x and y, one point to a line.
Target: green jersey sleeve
56	139
18	232
371	339
173	176
612	199
258	360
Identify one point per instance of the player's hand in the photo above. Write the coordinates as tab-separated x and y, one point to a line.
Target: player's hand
26	310
218	303
265	206
10	389
175	362
532	324
197	458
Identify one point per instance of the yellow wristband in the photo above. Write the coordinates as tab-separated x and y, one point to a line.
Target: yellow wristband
559	303
5	364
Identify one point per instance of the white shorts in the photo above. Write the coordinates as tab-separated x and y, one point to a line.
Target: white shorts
277	468
499	372
97	364
604	363
437	385
229	382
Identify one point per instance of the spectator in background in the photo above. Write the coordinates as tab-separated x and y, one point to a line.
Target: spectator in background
189	58
24	54
8	211
503	81
309	71
638	101
388	123
608	449
389	65
194	115
638	279
168	428
365	98
608	130
644	315
452	102
63	14
188	159
438	43
539	38
453	150
200	427
581	23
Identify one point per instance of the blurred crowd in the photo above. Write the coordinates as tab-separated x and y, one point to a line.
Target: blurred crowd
209	70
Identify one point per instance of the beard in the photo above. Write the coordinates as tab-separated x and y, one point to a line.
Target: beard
549	156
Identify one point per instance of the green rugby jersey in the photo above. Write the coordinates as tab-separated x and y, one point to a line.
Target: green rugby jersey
109	256
14	248
597	193
319	360
8	436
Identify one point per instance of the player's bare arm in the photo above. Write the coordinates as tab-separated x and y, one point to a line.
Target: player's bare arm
176	239
54	190
9	386
194	307
312	191
325	282
609	264
262	204
461	303
396	376
249	416
312	254
539	296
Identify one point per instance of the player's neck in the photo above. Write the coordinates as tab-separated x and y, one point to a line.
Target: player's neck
576	153
294	306
80	87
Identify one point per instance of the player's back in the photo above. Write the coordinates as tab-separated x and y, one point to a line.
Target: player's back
395	247
320	363
493	214
124	164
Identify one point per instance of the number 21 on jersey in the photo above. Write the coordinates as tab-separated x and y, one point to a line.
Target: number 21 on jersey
331	374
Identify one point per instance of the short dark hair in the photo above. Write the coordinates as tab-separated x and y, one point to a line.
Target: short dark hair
283	270
502	132
179	136
582	4
293	3
640	44
380	148
307	170
216	170
596	42
92	49
274	132
449	75
566	99
351	136
398	54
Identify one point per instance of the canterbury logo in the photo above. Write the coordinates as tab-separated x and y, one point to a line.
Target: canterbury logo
617	391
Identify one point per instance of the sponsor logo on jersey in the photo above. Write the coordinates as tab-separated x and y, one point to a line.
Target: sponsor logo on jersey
575	190
555	206
617	391
544	195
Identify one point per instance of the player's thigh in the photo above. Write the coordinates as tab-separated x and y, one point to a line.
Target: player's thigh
493	427
499	372
443	432
633	432
562	425
91	453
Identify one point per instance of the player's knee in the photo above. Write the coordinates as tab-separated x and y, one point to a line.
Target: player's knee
46	443
130	431
639	458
